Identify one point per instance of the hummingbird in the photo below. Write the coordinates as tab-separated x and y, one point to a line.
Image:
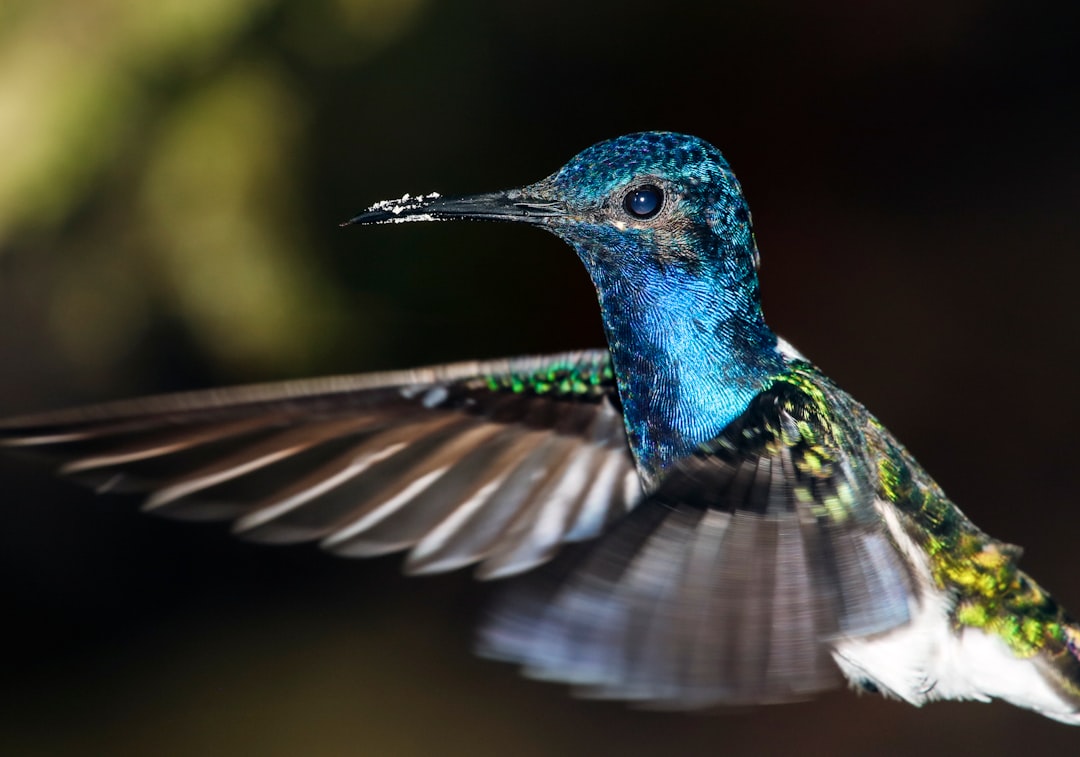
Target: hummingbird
691	517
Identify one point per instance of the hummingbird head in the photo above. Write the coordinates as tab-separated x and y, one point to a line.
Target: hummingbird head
654	199
651	200
660	223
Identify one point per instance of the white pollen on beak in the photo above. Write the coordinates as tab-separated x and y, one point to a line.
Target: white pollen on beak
404	203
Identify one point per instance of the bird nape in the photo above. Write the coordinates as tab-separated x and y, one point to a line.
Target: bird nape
745	532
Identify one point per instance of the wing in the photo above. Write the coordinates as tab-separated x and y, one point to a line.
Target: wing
729	583
494	462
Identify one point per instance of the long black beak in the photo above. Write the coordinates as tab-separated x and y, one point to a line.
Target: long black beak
511	205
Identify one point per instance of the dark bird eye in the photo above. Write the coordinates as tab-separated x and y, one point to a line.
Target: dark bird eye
644	202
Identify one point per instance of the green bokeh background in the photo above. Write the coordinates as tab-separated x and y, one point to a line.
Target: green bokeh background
172	178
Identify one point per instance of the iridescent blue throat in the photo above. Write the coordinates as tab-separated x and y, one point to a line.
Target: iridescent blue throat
689	351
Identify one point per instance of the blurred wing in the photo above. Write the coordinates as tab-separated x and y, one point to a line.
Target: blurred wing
495	462
728	584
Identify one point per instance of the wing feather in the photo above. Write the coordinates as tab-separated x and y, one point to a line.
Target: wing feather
497	462
731	582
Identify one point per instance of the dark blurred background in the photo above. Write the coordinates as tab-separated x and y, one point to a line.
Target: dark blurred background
172	180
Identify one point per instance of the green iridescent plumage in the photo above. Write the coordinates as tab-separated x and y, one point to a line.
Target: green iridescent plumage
991	592
593	377
980	573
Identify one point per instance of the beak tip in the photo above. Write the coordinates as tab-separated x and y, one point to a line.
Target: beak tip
407	208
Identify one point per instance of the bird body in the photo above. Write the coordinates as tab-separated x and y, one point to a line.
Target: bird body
694	516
